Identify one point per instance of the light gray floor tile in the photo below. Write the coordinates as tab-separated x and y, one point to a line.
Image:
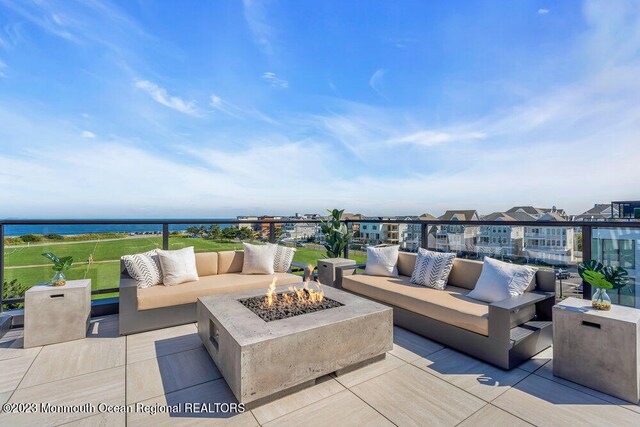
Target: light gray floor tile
341	409
72	358
547	372
100	420
478	378
325	387
148	345
367	372
410	396
410	347
537	361
11	346
106	386
544	402
490	416
213	392
5	396
13	370
154	377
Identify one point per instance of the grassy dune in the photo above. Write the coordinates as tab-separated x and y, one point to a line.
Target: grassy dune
28	266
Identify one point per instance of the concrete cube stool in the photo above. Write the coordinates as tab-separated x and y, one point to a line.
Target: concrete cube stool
327	269
54	314
598	349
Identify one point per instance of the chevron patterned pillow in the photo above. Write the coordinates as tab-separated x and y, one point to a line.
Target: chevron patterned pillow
432	269
283	259
144	268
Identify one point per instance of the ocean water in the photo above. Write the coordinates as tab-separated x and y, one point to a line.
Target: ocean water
67	230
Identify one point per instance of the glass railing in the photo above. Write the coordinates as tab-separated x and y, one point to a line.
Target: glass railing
97	248
619	247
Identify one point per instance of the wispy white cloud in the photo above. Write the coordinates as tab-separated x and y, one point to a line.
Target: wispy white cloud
543	11
274	80
255	14
161	96
2	65
427	138
222	106
376	80
88	134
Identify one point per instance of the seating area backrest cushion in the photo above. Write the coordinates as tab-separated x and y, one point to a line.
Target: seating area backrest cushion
545	280
382	261
230	262
207	263
144	268
501	280
465	273
178	266
283	259
406	263
258	259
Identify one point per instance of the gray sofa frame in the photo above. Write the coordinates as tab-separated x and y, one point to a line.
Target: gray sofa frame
133	320
505	347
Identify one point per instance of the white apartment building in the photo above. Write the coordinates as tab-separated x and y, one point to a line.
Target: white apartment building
500	240
457	238
301	230
548	243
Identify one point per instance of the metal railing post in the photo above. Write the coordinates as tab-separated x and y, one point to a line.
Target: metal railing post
272	232
424	235
1	267
346	247
165	236
586	255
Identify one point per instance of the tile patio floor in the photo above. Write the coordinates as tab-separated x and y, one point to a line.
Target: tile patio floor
420	383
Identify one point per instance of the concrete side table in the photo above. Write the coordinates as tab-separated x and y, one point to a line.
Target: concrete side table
327	269
598	349
54	314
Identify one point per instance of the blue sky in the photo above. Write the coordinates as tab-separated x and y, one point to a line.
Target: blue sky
219	108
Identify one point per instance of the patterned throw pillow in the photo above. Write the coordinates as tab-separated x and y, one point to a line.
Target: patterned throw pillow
144	268
432	269
284	258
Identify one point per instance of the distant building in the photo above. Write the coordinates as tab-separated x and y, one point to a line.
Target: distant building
301	230
500	240
626	210
599	212
457	237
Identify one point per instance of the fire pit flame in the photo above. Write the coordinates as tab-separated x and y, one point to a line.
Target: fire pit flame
304	296
268	301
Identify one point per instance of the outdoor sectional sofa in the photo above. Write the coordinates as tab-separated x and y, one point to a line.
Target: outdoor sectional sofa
160	306
504	333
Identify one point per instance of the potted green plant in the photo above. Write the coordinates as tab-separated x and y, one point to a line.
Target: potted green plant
602	278
59	265
336	234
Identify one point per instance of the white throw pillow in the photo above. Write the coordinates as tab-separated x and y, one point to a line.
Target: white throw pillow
283	259
382	261
258	259
178	266
144	268
501	280
432	268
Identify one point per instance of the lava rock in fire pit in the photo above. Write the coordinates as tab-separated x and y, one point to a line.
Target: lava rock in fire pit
283	308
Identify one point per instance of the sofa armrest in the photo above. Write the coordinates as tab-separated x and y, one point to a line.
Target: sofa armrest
500	312
128	296
346	270
520	301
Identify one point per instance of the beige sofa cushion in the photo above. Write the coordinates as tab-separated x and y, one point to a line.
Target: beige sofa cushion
230	261
465	273
406	263
207	263
166	296
450	305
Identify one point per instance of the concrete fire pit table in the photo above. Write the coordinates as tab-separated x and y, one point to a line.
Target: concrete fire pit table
262	361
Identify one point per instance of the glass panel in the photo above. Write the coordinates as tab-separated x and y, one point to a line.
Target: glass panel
618	247
96	251
212	237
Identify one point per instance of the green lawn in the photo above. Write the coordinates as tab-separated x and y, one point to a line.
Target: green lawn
104	273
